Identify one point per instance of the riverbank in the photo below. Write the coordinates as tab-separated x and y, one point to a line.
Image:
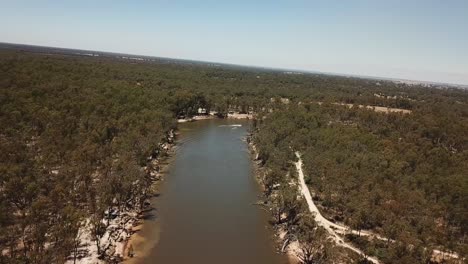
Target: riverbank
290	248
214	115
288	243
138	246
336	233
120	224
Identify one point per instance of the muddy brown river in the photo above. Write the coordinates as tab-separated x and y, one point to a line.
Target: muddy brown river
205	213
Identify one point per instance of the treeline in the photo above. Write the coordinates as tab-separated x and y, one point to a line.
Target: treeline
400	175
77	135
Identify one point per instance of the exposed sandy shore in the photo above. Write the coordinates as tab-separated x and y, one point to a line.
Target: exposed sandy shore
147	232
141	244
204	117
240	116
214	116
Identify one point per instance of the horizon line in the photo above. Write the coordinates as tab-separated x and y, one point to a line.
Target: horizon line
338	74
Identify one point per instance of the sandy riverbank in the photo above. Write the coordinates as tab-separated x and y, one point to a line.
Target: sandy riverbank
240	116
123	226
214	115
146	234
141	245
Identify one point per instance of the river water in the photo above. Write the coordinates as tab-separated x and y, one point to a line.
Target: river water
205	212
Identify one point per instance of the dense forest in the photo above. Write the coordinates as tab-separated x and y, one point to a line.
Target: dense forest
400	175
78	134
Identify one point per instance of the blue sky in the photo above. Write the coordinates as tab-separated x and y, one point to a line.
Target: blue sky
412	39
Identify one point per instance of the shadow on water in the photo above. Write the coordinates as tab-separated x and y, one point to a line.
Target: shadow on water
149	214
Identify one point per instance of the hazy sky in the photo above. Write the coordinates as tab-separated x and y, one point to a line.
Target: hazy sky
413	39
